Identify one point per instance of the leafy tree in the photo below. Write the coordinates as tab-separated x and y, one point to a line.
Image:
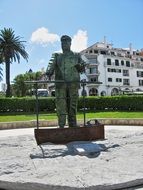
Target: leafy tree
20	88
11	48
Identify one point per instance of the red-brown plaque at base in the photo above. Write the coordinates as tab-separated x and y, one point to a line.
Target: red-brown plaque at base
66	135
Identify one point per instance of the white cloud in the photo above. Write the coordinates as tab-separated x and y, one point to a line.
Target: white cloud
79	41
44	37
42	61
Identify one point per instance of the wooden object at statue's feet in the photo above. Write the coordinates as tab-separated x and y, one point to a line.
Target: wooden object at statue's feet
66	135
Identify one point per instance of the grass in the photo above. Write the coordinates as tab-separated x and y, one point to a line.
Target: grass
52	116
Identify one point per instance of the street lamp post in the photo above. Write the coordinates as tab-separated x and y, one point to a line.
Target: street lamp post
30	72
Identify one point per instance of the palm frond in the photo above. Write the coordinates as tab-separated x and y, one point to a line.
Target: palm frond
11	49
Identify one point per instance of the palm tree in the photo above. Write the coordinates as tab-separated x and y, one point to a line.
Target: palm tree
1	75
11	48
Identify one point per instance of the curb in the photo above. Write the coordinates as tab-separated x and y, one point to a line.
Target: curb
5	185
31	124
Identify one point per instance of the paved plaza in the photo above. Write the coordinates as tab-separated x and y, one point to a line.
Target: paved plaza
113	163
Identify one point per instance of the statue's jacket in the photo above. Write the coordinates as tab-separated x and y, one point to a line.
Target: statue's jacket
66	67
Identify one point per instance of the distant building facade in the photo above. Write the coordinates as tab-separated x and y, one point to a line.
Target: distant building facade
120	70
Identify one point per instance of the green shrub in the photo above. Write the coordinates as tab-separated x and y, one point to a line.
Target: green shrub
28	104
121	103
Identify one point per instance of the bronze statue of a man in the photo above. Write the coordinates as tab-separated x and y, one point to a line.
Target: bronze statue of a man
67	67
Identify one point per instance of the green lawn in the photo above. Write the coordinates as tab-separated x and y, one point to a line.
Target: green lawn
52	116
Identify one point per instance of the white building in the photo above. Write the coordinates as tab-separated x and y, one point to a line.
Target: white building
119	70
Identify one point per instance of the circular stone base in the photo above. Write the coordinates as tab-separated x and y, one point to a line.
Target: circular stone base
118	164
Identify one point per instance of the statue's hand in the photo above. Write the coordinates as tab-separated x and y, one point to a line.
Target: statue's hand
77	66
80	67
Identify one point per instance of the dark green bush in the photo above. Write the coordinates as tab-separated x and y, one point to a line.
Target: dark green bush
125	103
28	104
47	104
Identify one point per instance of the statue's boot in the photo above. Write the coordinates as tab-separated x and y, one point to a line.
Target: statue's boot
62	120
72	121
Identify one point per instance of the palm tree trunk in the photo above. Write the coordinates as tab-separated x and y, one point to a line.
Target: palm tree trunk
8	93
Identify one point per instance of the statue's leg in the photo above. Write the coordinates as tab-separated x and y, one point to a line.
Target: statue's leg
61	105
72	105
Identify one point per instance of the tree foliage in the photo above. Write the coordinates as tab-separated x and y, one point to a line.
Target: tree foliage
11	48
20	88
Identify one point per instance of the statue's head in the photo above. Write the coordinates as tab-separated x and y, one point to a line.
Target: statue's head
66	43
66	38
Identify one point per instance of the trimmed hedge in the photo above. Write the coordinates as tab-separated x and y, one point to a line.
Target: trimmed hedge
28	104
121	103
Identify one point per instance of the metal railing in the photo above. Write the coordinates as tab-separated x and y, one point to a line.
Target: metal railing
36	82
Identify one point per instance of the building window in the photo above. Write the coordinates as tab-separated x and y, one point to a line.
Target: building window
118	80
127	63
93	70
122	62
114	92
103	52
118	70
96	51
125	72
93	60
114	70
103	93
126	82
108	61
140	82
93	92
139	73
112	53
116	62
109	79
95	79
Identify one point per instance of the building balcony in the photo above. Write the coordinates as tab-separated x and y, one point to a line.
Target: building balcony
109	65
126	74
93	84
93	74
138	65
93	62
126	84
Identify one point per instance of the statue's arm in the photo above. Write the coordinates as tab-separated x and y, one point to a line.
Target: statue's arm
51	66
80	66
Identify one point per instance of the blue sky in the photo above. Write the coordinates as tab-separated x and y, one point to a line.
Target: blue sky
42	22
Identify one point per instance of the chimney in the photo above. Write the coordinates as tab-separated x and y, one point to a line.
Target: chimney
105	40
130	48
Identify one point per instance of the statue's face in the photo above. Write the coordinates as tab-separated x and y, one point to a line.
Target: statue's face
66	44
